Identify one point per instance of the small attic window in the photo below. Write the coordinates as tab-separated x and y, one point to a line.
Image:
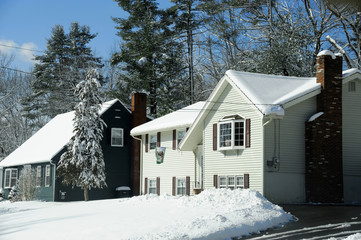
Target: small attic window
352	86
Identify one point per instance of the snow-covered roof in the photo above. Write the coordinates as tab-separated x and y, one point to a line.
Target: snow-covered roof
48	141
181	118
270	94
269	90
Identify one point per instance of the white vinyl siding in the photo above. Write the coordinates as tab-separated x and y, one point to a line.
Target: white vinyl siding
176	163
285	181
351	137
11	176
237	161
117	138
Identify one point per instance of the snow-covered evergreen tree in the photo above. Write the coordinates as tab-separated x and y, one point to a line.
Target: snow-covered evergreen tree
83	163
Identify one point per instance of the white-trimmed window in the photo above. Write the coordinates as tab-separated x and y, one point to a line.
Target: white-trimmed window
152	186
38	176
47	175
117	138
11	176
231	134
153	141
180	135
231	182
181	186
352	86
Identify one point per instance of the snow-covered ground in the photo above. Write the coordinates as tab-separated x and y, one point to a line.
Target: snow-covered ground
213	214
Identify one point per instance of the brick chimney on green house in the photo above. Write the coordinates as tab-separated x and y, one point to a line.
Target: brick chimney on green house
323	138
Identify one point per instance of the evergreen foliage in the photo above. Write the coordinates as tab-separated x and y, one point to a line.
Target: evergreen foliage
150	58
83	162
66	60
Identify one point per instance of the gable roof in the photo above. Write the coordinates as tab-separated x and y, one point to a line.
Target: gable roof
270	94
48	141
181	118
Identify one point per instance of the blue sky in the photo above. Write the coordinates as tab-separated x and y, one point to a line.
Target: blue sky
28	23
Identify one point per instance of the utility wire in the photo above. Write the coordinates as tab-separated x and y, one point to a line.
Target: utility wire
16	70
28	49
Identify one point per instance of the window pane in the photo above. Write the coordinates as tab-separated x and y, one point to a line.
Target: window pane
238	133
117	137
181	186
181	135
239	182
7	178
230	183
222	182
225	134
153	141
153	186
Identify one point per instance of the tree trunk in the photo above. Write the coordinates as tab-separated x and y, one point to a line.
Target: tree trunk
86	193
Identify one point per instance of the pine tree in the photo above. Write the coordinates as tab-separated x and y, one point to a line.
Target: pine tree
149	56
66	60
83	163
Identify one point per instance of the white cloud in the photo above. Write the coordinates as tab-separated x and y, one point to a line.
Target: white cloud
8	46
23	54
28	55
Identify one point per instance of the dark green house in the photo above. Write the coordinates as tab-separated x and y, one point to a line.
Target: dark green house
42	152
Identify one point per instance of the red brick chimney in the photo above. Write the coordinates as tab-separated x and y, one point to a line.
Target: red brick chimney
323	138
139	116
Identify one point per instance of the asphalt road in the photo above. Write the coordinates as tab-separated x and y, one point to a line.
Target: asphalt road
316	222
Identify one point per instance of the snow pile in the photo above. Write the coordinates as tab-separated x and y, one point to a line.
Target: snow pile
213	214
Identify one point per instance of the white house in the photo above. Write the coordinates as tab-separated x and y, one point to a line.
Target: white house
173	171
292	139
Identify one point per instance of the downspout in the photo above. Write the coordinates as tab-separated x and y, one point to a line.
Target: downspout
141	165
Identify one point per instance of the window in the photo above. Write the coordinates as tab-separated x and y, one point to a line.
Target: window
11	176
47	176
152	186
153	142
222	182
352	86
231	134
38	176
117	139
180	135
181	186
231	182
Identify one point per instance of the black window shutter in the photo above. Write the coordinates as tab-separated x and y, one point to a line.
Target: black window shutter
215	137
158	139
215	181
145	185
188	185
146	142
174	147
248	133
246	180
158	186
174	186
